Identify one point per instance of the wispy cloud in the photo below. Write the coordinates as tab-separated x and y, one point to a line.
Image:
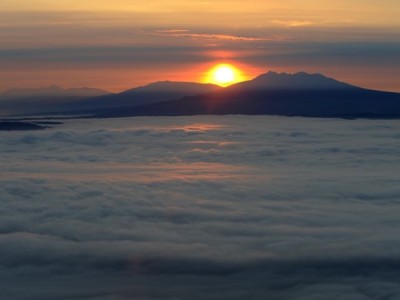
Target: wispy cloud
172	31
294	23
304	23
183	33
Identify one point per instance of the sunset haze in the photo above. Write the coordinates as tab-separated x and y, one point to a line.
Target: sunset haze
121	44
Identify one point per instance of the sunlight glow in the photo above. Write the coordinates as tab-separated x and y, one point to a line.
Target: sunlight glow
224	75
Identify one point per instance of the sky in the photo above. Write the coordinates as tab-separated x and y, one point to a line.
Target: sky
201	207
120	44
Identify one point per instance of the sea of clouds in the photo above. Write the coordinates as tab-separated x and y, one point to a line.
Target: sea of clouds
208	207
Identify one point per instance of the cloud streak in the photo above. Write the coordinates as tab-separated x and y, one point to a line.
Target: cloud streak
210	36
294	23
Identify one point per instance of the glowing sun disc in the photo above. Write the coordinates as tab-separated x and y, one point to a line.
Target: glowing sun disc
223	75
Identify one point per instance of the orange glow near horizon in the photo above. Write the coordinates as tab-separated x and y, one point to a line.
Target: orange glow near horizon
224	75
122	44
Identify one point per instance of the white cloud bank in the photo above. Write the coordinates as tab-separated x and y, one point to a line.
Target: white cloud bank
201	208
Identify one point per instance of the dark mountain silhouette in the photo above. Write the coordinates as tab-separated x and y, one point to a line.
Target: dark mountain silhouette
157	92
53	98
300	94
297	81
52	91
10	126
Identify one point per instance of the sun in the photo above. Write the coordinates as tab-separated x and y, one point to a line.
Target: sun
223	75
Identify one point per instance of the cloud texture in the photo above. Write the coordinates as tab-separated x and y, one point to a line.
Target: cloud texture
214	207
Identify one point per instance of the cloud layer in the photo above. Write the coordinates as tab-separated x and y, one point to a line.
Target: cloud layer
201	208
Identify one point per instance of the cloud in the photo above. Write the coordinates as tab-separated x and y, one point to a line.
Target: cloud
295	23
305	23
203	207
210	36
172	31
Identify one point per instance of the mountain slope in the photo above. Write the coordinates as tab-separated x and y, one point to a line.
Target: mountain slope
153	93
52	91
53	98
300	94
57	100
296	81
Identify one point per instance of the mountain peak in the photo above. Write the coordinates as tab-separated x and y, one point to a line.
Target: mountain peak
272	93
299	80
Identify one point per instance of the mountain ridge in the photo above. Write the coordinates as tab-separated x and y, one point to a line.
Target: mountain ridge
271	93
298	94
156	92
38	100
54	99
52	90
299	80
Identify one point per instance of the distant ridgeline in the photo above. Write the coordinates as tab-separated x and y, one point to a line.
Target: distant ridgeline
299	94
12	126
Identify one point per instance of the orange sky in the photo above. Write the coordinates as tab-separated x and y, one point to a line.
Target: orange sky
120	44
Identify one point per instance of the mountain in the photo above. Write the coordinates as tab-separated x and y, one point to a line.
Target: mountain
297	81
299	94
53	98
12	126
53	91
157	92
